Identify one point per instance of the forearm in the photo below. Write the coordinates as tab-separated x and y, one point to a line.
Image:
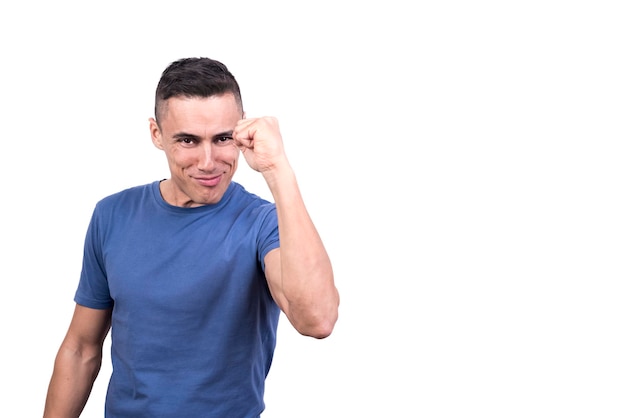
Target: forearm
307	281
71	383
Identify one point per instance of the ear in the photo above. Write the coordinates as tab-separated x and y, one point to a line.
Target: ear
155	134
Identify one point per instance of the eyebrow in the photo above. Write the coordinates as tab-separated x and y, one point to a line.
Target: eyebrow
196	137
225	133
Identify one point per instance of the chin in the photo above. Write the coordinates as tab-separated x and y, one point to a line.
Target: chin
211	198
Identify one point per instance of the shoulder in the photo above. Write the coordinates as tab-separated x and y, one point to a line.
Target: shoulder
128	195
131	199
242	196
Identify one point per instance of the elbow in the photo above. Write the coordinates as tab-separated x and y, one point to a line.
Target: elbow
319	327
315	320
317	331
321	332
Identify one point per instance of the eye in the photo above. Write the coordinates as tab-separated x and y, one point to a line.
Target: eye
186	140
223	139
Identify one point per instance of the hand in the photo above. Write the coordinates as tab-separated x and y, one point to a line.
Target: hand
260	142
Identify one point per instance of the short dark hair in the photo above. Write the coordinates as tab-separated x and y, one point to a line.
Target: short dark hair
195	77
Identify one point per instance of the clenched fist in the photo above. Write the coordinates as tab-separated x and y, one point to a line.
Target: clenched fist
261	142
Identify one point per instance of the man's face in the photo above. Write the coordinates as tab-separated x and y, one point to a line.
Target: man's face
196	136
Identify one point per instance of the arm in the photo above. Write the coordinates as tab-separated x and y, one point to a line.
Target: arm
77	363
299	273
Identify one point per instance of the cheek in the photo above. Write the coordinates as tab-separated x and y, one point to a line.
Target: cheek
180	157
230	155
234	163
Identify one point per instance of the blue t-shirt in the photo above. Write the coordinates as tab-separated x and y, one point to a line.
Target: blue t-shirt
194	325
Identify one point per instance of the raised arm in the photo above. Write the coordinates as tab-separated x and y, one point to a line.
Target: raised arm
77	363
299	273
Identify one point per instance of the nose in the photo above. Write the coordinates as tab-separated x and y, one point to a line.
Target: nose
205	157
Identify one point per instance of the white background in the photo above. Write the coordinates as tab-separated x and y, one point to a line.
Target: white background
463	161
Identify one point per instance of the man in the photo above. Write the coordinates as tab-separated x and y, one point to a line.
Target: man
190	273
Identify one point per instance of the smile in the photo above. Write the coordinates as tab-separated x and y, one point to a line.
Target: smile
208	181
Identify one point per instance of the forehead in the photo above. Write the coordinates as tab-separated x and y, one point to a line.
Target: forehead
190	113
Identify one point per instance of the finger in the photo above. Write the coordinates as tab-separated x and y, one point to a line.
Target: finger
242	141
243	134
240	147
243	126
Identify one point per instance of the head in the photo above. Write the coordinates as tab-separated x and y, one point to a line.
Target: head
197	105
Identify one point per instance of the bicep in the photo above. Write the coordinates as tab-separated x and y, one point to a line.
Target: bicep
89	327
274	278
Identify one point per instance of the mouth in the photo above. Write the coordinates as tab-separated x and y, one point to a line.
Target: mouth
208	181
